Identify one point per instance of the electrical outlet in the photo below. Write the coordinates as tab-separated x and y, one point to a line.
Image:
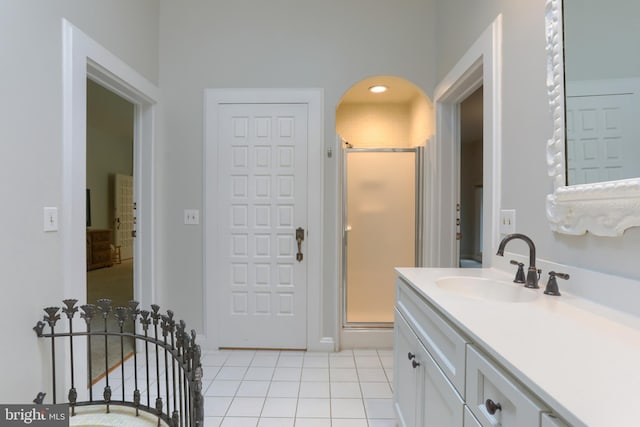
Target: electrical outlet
191	217
507	221
50	219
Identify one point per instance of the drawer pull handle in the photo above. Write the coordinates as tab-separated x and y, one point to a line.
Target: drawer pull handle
492	406
411	355
415	364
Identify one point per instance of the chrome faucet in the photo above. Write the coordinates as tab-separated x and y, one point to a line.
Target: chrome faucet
532	272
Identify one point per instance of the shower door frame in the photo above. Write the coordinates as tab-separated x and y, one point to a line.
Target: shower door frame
419	215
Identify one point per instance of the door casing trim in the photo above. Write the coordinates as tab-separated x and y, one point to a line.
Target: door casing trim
83	58
314	98
481	65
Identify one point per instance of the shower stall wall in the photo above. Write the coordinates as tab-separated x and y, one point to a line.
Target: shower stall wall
381	218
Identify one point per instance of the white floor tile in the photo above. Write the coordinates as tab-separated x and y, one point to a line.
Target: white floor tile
268	359
239	422
380	390
313	422
263	373
240	358
287	374
318	389
342	390
231	373
315	374
314	408
280	407
276	422
283	389
212	421
342	362
343	374
368	362
382	423
347	408
222	388
349	422
372	375
246	407
287	361
216	406
254	389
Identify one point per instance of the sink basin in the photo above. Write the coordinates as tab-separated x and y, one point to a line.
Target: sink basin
487	289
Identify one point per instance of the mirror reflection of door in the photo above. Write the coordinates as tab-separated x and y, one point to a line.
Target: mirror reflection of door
110	121
470	193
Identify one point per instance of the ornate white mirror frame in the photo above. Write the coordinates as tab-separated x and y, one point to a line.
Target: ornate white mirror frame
604	208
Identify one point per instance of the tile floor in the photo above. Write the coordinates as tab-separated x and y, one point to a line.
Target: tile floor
351	388
303	389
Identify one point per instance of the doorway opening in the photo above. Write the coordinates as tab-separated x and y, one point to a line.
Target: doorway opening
470	217
110	214
383	137
84	58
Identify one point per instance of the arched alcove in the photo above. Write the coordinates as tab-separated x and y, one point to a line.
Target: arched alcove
400	117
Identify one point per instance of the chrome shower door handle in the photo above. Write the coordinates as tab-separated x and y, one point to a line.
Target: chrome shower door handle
299	239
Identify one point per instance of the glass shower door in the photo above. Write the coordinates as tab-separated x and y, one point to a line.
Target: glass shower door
380	230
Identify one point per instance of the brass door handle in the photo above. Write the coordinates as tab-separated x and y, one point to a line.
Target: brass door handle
299	239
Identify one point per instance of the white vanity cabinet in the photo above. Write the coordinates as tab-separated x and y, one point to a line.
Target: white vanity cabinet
442	379
423	396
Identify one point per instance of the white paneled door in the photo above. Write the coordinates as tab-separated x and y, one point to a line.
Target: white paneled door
124	215
262	201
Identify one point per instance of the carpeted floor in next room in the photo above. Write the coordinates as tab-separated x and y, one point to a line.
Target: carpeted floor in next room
115	283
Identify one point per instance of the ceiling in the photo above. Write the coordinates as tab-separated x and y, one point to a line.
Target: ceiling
400	91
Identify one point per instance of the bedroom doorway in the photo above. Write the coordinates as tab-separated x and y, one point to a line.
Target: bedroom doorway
110	214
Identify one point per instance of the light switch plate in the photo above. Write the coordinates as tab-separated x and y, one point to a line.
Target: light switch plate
50	219
507	221
191	217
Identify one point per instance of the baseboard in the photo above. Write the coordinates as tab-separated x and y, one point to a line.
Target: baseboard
366	338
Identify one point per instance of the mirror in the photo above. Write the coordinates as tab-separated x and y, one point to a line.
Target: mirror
602	198
602	90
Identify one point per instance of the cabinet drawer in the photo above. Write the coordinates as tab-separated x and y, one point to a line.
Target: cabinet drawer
485	381
445	344
548	420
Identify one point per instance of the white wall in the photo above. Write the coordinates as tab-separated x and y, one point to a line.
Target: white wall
526	126
109	149
280	43
31	159
375	125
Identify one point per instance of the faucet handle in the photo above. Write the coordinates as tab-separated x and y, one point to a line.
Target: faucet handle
552	284
520	273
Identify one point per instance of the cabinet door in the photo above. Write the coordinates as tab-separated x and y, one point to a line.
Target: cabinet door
469	419
439	404
495	398
404	374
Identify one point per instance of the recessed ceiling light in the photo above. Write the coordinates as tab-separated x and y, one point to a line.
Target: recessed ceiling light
377	89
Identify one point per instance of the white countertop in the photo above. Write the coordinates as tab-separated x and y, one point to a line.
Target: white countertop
580	358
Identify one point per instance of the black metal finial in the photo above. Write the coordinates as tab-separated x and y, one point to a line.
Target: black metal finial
155	315
70	308
133	309
88	311
52	315
104	305
39	398
145	319
121	315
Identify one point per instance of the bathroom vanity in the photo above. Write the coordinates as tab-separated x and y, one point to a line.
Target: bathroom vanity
474	349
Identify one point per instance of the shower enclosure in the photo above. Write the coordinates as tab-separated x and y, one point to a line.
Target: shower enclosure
382	213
